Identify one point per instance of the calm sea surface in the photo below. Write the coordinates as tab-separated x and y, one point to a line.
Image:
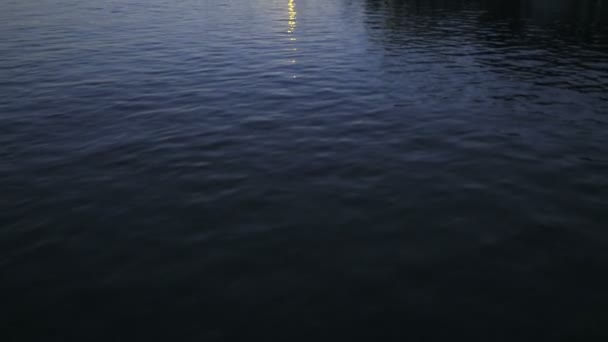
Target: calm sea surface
303	170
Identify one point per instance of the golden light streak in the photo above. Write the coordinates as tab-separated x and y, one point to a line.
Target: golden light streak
292	16
292	23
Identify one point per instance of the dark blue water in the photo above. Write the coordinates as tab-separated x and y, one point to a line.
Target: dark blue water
286	170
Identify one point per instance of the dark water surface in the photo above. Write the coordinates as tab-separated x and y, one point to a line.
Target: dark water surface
281	170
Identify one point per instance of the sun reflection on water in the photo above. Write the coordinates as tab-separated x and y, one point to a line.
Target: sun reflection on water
292	23
292	16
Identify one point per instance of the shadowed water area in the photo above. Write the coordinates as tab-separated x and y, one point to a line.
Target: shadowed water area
304	170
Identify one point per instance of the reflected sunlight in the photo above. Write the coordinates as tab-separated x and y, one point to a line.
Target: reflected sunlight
292	16
291	10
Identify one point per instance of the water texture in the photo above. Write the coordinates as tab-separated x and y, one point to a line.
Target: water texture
286	170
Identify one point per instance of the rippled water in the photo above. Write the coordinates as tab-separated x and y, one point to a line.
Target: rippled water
304	170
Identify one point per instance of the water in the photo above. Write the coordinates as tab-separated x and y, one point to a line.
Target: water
303	170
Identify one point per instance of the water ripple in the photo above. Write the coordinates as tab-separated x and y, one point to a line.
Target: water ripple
337	168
